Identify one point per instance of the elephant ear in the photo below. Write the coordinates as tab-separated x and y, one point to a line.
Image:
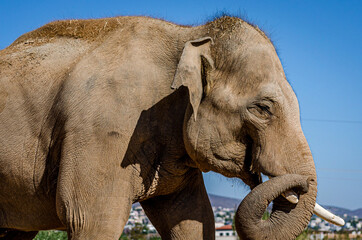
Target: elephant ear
195	58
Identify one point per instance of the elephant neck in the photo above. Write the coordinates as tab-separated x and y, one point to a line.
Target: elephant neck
156	154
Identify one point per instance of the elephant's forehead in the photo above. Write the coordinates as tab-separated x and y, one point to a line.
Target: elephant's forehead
233	99
262	60
252	66
263	70
257	73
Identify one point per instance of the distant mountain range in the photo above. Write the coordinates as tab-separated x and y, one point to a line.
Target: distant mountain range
341	211
226	202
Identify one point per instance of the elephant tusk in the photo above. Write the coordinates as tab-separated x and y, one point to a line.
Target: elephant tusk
291	196
328	216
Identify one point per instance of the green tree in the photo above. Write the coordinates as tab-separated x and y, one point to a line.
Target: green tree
266	215
303	236
51	235
138	232
155	238
123	237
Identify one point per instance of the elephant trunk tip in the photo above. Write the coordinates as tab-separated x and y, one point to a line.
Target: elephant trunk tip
288	218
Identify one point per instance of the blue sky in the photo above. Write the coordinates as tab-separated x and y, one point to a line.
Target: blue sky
319	43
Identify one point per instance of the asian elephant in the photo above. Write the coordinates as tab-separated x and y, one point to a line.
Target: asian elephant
98	114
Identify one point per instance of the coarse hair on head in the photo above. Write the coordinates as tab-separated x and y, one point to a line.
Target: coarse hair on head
241	15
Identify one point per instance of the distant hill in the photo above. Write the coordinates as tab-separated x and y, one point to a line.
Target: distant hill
341	211
226	202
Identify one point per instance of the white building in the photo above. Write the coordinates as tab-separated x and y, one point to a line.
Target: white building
225	233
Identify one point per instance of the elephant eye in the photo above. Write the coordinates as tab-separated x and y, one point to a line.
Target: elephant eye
261	110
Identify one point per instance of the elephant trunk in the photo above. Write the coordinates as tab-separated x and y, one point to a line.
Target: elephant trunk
287	220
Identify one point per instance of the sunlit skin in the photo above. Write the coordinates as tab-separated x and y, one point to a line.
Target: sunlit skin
99	114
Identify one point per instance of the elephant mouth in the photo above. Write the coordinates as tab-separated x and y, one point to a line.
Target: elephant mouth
251	175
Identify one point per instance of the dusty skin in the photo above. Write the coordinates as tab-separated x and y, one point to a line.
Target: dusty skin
98	114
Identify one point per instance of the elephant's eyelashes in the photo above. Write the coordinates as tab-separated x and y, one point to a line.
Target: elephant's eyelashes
262	111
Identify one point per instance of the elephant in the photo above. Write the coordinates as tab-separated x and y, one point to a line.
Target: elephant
98	114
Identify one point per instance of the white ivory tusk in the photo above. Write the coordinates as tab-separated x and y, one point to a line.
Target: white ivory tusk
291	196
328	216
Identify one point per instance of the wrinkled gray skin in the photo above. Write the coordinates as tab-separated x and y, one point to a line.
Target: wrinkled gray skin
89	124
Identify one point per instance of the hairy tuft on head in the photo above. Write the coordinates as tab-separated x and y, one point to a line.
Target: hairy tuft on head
239	16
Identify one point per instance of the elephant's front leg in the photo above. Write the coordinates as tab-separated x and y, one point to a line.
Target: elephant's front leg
185	214
93	191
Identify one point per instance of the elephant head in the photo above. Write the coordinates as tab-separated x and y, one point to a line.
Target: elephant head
244	121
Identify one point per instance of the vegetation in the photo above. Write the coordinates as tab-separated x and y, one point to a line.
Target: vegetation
306	235
303	236
138	233
266	215
51	235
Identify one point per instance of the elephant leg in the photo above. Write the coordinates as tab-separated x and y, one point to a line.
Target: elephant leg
18	235
185	214
93	192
